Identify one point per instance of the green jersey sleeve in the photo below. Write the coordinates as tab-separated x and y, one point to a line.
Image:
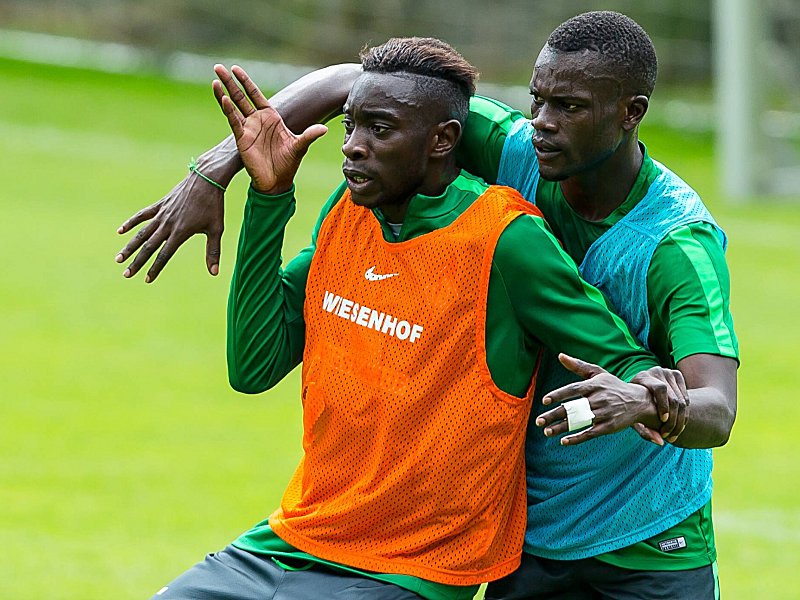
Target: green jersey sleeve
556	307
688	287
266	330
484	136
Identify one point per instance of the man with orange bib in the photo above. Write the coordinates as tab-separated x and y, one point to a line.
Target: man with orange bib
419	322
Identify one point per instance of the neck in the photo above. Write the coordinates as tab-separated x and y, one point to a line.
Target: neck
596	193
436	180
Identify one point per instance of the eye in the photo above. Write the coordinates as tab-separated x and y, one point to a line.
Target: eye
379	129
569	106
348	125
536	99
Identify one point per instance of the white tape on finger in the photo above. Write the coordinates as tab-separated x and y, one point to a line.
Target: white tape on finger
579	413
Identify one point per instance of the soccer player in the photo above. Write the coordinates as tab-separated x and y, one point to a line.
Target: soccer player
419	312
611	517
639	525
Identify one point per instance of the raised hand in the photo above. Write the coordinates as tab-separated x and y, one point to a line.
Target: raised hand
271	153
651	401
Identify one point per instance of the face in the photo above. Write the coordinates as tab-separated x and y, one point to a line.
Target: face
387	142
577	112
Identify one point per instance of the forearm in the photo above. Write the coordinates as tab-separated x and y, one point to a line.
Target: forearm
265	325
221	162
709	421
314	98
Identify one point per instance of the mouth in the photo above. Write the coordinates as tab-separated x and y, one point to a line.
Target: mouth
356	180
545	150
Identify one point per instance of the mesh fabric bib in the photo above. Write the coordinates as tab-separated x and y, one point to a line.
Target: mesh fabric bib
413	458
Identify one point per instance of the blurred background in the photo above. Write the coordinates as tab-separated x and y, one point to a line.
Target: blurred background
124	455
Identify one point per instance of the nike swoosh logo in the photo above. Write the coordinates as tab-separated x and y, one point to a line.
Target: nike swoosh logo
371	275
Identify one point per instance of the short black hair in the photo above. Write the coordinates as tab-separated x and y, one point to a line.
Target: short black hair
442	72
618	38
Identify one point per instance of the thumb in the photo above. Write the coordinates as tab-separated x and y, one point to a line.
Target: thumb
580	367
648	435
309	136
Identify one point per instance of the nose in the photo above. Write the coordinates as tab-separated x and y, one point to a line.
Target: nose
544	118
354	147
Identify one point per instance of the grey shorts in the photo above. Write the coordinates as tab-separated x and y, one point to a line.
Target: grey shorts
591	579
234	574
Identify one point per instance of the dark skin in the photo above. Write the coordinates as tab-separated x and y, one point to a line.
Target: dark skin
395	146
586	123
195	206
269	151
397	143
586	129
588	140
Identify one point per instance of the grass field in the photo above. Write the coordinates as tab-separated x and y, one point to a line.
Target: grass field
124	455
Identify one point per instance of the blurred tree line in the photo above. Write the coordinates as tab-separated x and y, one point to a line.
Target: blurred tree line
501	37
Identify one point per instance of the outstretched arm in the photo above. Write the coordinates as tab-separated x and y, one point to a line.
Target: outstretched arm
196	206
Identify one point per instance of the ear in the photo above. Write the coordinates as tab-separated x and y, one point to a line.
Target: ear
445	137
635	110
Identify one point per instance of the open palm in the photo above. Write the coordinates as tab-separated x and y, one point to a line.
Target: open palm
271	153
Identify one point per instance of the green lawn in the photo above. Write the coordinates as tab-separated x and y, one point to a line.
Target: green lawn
124	455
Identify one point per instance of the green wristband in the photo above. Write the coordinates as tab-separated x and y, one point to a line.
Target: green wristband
193	168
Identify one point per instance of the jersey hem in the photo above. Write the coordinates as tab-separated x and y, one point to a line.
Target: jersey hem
690	350
397	566
424	589
664	564
593	550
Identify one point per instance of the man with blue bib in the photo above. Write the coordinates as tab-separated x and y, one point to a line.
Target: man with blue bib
616	517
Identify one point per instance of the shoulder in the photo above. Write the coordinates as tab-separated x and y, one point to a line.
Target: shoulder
484	136
488	111
528	244
689	290
689	264
699	242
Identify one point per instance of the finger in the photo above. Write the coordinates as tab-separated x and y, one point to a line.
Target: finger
148	248
551	416
648	435
309	136
234	118
250	88
213	251
658	390
682	411
143	215
556	429
571	390
234	91
580	367
676	404
584	436
136	241
680	425
172	244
